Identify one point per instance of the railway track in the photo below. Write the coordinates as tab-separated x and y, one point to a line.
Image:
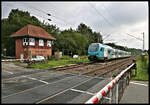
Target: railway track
73	66
106	67
109	69
98	68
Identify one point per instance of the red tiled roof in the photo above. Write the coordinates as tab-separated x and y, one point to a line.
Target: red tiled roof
33	31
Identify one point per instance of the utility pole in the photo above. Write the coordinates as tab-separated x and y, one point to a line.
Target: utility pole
143	41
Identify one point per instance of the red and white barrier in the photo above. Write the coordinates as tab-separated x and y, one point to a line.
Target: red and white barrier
12	60
103	91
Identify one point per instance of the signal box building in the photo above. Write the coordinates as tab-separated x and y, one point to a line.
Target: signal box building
32	41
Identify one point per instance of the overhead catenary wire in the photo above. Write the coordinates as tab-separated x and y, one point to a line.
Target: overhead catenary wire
106	37
45	13
48	14
114	19
134	37
108	12
32	13
109	22
100	14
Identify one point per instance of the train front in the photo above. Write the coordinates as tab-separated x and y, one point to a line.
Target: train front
93	51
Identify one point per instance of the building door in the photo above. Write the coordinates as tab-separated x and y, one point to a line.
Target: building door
21	56
30	54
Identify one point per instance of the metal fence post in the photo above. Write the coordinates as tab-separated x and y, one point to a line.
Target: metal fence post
117	93
129	75
110	96
110	93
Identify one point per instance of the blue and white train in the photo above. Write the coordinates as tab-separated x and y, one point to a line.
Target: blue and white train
98	51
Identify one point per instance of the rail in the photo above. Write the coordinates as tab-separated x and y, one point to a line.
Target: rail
110	88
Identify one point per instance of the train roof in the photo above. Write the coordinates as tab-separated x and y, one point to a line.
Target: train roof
102	45
109	47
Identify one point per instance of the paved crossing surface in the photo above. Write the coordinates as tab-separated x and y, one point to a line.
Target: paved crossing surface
137	92
48	86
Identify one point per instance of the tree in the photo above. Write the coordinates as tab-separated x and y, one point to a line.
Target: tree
97	37
93	37
70	41
51	29
85	30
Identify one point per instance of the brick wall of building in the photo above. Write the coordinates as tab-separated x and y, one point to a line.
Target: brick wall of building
20	49
29	51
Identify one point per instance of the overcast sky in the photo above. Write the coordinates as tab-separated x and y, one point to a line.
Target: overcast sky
115	18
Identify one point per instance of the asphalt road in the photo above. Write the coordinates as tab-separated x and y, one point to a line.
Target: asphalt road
137	92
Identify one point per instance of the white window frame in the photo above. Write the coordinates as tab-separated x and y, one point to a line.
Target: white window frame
25	41
41	42
49	43
32	41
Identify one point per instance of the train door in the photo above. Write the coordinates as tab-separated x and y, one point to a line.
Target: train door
116	53
105	53
109	54
113	53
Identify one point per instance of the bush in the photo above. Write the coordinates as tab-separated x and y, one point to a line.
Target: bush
142	68
66	57
51	57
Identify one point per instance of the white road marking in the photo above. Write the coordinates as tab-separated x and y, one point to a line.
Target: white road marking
36	79
82	91
43	81
9	72
138	83
62	91
35	87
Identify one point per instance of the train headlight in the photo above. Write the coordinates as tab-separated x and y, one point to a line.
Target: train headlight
96	54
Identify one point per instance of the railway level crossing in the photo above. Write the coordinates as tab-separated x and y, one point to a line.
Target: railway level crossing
50	86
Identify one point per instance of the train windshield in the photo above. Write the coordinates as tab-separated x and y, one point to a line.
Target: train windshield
93	47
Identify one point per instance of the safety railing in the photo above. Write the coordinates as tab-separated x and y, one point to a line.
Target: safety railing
113	91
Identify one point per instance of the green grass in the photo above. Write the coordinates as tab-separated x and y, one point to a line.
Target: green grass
64	61
142	68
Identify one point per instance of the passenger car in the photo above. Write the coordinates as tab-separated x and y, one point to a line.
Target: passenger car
37	58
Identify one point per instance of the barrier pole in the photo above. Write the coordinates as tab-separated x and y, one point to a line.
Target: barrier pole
96	98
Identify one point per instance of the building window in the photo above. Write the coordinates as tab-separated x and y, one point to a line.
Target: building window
25	41
49	43
31	41
41	42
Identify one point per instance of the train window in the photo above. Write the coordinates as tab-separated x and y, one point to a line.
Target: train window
109	51
101	49
93	47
